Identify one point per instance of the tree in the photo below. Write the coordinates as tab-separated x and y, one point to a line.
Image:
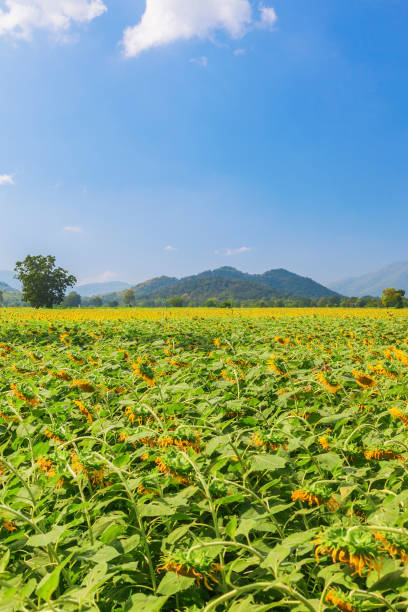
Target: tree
129	298
43	283
1	298
176	301
211	303
72	300
96	300
392	298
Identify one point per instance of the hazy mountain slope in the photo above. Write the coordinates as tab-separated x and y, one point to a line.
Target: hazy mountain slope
90	289
293	284
147	288
394	275
7	276
11	296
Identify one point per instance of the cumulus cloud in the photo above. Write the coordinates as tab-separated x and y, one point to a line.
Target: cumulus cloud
200	61
6	179
19	18
230	252
73	228
268	17
166	21
170	248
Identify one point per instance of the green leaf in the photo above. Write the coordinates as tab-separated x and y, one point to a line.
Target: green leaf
156	509
43	539
299	538
104	554
173	583
144	603
329	461
231	527
276	556
50	581
261	463
4	560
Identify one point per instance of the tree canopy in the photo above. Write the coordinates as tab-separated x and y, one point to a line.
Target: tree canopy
392	298
72	300
43	283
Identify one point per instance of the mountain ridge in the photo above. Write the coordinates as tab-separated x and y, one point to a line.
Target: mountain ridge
227	282
394	275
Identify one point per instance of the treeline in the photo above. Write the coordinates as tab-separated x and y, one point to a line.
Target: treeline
74	300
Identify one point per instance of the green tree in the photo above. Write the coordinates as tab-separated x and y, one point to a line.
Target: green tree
43	283
1	298
176	301
211	303
72	300
392	298
96	301
129	298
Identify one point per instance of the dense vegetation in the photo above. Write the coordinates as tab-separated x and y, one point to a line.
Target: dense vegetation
203	460
223	284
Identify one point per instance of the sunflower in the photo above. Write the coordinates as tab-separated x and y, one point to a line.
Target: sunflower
397	414
393	546
327	384
364	380
355	547
197	565
316	496
338	600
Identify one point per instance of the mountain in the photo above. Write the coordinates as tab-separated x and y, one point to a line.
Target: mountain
7	276
90	289
149	287
226	283
5	287
394	275
11	296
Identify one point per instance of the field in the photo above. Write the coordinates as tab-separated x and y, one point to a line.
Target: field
203	460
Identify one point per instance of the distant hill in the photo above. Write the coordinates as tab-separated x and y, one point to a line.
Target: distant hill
225	283
7	276
394	275
149	287
90	289
11	296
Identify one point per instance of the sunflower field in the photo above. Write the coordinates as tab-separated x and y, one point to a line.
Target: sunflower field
244	460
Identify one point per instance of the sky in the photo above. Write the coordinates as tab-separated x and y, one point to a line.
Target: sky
149	137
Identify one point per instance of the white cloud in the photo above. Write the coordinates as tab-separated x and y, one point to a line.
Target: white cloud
73	228
268	17
20	18
6	179
166	21
239	52
200	61
170	248
230	252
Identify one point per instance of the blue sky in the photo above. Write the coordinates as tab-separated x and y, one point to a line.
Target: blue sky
253	134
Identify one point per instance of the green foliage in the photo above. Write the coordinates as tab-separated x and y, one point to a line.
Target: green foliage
43	283
175	301
392	298
129	298
72	300
166	465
